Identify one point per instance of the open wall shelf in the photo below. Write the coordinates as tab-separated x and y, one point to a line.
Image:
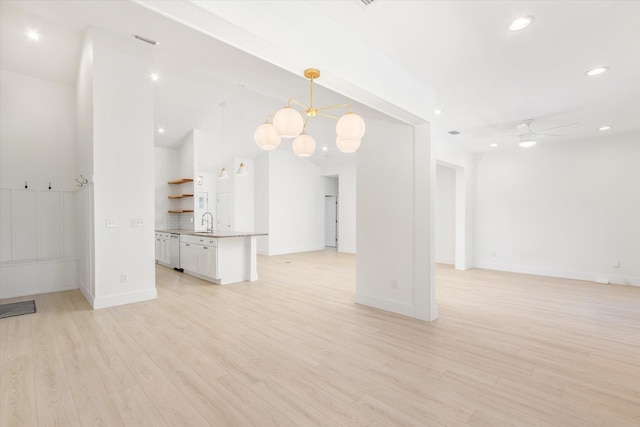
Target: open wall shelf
181	181
180	196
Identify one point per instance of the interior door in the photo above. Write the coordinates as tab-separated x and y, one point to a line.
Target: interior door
223	202
331	221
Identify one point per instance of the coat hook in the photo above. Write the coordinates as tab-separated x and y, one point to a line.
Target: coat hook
84	179
25	185
79	183
49	186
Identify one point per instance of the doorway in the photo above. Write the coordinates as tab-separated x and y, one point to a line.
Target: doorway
331	221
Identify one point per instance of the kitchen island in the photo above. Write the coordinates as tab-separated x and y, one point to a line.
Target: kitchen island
221	257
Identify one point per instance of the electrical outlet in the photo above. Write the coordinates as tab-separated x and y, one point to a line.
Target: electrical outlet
124	278
616	264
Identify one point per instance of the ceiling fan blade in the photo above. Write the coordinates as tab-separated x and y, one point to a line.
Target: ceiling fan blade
547	134
568	125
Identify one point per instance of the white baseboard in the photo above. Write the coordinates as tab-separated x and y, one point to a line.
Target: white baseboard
286	251
564	274
126	298
346	250
87	295
450	261
386	304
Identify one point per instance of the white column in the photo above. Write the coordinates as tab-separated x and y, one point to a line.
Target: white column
424	190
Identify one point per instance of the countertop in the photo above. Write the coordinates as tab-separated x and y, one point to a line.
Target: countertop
215	234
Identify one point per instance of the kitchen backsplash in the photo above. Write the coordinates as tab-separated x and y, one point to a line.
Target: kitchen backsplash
182	221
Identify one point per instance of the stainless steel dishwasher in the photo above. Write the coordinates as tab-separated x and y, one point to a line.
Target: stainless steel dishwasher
175	252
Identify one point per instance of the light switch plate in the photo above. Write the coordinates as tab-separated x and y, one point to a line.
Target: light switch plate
137	222
112	222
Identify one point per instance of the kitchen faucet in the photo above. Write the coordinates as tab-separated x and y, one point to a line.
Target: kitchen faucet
209	226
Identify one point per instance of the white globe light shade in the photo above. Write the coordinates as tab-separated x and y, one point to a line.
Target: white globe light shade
288	122
348	145
304	145
266	137
350	126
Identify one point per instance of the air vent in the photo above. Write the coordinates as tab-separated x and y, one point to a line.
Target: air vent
367	2
454	132
146	40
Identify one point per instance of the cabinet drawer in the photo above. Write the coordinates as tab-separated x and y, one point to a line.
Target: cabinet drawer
198	240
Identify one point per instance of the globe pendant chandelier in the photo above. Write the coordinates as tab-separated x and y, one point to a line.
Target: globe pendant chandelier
288	123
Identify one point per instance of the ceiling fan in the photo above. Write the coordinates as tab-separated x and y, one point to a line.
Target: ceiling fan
527	137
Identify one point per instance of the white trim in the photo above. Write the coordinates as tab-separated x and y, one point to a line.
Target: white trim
126	298
294	250
450	261
347	250
563	274
386	304
87	295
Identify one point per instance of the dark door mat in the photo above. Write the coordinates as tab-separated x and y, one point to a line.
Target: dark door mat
17	308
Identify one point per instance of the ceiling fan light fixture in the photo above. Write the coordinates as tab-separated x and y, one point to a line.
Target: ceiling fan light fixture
521	23
603	128
596	71
527	143
33	35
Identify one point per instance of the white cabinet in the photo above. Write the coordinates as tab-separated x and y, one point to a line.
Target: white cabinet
199	256
163	248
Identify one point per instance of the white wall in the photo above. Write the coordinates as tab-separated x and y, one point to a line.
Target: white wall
296	204
294	201
37	145
565	210
330	185
123	135
37	136
445	214
243	195
166	169
347	210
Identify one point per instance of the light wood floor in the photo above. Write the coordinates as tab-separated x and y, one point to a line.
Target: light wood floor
293	349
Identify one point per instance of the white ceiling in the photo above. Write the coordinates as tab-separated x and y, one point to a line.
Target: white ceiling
487	80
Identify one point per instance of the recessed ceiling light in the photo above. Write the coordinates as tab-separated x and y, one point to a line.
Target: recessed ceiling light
160	130
438	112
596	71
604	128
155	77
33	35
324	148
494	145
526	144
521	23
